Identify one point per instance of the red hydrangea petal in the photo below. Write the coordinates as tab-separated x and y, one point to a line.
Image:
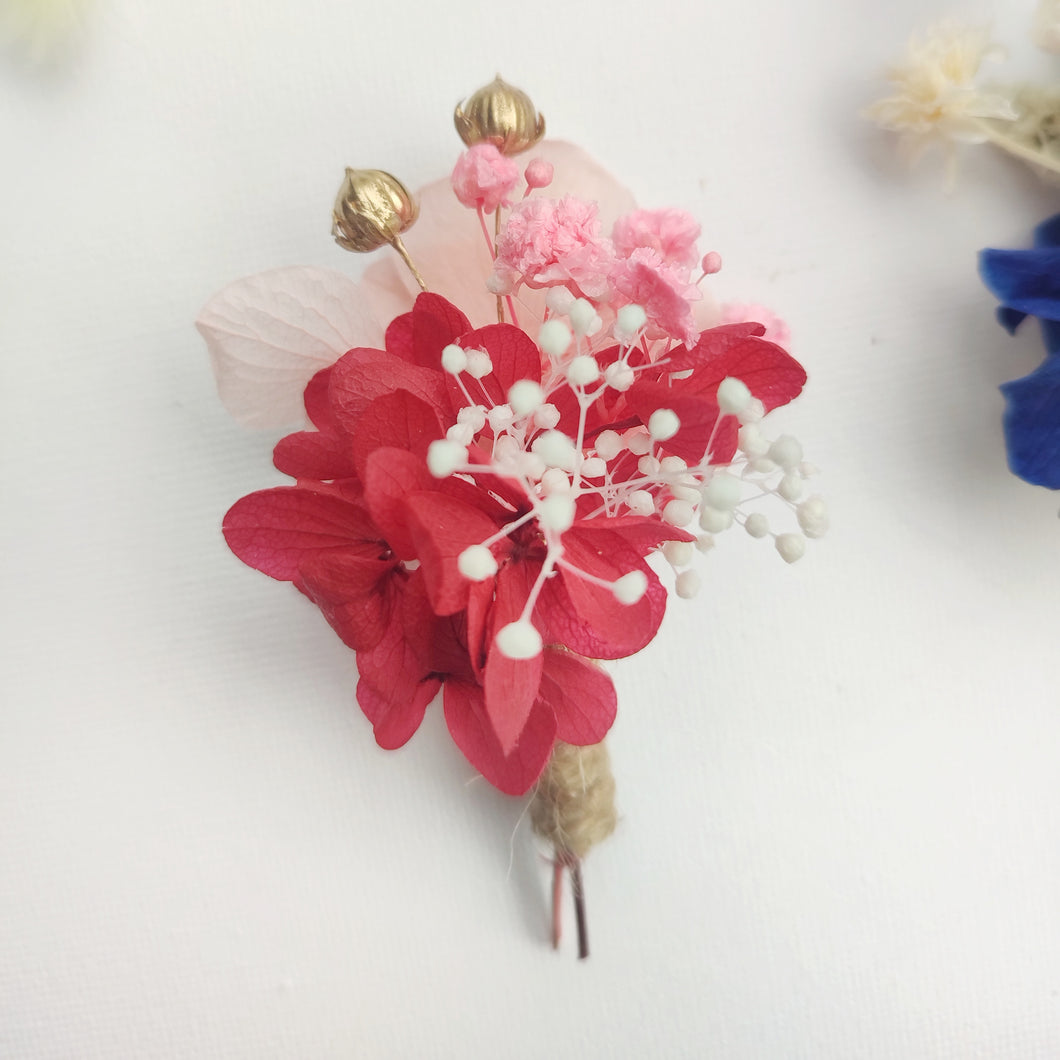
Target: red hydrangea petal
389	476
769	371
712	343
511	685
697	415
581	695
273	530
514	355
315	455
395	671
318	401
394	723
479	605
398	421
583	635
618	629
363	375
639	532
419	336
514	773
353	593
441	527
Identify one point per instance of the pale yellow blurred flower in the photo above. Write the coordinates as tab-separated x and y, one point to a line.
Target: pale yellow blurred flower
40	28
936	99
1045	30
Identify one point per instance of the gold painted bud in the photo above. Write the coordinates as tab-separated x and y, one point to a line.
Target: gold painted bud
371	210
500	115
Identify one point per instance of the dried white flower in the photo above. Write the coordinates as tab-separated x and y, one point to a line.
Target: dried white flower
936	99
1045	29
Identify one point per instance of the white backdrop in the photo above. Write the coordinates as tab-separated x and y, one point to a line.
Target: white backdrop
837	780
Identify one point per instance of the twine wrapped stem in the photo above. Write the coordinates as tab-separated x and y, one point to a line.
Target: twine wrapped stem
573	808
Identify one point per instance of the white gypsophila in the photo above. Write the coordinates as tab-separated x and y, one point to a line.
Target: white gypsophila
1045	29
936	99
40	28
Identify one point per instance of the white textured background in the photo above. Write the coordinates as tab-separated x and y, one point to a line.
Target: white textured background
838	780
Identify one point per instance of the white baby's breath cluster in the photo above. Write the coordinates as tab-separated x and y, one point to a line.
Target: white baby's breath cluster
558	471
937	98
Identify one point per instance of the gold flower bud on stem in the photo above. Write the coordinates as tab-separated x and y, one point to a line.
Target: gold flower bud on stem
500	115
371	210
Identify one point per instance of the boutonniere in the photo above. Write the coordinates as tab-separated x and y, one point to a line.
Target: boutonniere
524	426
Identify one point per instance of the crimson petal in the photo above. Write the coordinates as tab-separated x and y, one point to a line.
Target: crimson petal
363	375
351	591
441	527
398	420
514	773
389	476
315	455
581	695
273	530
395	723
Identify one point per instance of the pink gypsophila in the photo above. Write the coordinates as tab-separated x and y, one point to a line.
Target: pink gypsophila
554	242
673	233
484	179
663	290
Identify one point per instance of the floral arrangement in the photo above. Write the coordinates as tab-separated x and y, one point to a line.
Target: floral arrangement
937	100
514	424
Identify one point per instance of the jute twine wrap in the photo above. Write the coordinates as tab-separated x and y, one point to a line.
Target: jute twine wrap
574	804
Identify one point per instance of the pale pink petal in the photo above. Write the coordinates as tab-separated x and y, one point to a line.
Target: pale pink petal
777	329
269	334
448	247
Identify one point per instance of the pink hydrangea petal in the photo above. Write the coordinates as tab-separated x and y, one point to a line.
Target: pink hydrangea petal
269	334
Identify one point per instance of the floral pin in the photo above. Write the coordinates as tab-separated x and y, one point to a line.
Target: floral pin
514	424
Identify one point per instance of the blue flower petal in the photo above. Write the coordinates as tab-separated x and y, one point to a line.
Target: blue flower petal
1025	280
1009	318
1032	424
1047	234
1051	335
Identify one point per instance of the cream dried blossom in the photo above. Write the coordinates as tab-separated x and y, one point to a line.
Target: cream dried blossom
1045	29
936	99
1035	134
